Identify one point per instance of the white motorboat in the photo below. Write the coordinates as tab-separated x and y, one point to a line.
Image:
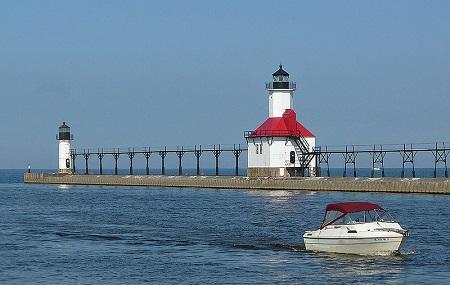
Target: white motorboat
357	228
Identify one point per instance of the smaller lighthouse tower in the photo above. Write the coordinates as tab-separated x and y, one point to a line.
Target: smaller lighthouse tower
65	160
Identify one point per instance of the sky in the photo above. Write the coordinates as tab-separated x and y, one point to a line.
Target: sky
154	73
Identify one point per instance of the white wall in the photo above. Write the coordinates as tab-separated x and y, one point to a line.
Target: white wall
280	151
258	159
275	152
64	153
279	101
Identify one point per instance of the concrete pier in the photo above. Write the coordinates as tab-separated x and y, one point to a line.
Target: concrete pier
396	185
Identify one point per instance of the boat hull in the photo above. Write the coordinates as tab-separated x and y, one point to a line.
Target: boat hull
366	245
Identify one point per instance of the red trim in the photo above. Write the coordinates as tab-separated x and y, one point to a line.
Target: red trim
286	126
347	208
353	207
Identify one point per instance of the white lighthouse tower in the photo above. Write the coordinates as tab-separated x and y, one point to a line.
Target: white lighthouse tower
281	146
65	160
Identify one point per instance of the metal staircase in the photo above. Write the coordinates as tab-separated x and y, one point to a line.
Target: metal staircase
304	155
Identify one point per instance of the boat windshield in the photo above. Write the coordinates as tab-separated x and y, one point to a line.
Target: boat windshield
339	218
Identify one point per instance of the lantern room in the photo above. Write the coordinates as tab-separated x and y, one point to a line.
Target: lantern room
64	133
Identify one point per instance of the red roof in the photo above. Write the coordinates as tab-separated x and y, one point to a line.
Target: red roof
353	207
282	127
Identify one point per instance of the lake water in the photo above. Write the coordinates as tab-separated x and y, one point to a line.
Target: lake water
52	234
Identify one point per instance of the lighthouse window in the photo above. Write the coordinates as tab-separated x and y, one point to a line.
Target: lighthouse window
259	148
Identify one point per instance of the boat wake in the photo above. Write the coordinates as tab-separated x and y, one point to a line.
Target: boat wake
404	253
81	236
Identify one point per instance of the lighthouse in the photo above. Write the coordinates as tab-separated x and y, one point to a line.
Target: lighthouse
281	146
65	160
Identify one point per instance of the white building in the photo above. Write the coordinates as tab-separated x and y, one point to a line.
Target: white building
281	146
64	159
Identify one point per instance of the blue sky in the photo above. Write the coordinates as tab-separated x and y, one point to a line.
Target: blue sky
139	73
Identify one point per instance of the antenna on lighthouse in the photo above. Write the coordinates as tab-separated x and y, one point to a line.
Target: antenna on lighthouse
64	138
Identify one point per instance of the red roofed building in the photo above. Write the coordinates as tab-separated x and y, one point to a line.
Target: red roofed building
281	146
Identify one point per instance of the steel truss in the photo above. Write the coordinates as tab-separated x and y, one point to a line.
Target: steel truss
321	154
216	150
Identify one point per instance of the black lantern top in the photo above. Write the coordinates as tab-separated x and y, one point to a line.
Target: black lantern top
64	132
280	80
280	75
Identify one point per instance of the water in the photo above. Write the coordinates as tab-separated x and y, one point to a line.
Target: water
51	234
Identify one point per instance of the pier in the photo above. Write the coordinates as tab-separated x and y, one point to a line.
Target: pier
346	156
390	185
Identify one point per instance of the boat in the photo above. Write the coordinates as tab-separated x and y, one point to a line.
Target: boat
356	228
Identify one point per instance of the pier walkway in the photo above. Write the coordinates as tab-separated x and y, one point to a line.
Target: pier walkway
396	185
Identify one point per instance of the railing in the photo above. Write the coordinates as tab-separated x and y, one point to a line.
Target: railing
418	147
272	133
281	85
407	153
167	149
64	137
180	151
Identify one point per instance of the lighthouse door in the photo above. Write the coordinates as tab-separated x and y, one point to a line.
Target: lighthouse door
67	163
292	157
